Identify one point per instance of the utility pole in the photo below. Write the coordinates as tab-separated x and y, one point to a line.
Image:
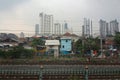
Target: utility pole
101	47
40	72
91	29
86	72
83	37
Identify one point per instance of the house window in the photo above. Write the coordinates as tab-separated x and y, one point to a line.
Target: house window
63	46
66	40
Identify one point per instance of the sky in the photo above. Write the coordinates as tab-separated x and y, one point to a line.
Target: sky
21	15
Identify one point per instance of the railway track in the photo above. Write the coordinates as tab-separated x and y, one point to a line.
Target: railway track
70	62
59	72
59	77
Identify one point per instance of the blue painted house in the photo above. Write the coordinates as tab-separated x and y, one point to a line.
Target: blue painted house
66	45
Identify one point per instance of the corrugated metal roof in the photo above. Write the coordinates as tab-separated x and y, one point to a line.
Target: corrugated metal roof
52	42
65	38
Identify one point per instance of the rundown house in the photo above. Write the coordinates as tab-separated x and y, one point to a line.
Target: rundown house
52	45
10	39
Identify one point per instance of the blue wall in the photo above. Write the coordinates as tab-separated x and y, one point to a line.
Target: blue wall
66	46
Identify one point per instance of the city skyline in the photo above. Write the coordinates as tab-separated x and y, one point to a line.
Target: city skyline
21	15
108	28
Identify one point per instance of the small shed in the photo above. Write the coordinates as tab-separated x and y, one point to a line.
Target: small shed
53	45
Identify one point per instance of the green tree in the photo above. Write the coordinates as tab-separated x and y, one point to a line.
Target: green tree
37	41
2	54
78	47
20	52
117	39
92	43
82	45
17	53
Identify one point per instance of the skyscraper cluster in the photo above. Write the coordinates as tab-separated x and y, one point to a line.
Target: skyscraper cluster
60	28
108	29
46	23
114	27
87	28
48	27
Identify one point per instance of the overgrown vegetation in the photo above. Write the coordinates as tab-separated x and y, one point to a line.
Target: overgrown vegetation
37	41
83	45
117	39
16	53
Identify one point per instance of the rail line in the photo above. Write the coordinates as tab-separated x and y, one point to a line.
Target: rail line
59	72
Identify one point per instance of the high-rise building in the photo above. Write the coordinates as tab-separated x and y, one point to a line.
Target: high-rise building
104	30
87	28
66	27
107	29
37	29
57	28
46	23
114	27
22	35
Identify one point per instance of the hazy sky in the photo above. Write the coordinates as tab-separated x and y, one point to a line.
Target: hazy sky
24	14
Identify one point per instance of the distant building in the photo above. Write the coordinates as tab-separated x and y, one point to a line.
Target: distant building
65	26
66	45
104	30
57	28
114	27
87	28
46	23
22	35
107	29
36	29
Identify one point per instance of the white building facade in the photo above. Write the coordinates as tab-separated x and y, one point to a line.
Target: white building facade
114	27
87	28
57	28
103	28
37	29
46	23
54	45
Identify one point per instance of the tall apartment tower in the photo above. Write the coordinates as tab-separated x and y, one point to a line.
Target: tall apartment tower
87	28
22	35
46	23
107	29
114	27
37	29
104	29
57	28
66	27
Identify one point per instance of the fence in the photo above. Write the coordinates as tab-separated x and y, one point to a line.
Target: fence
64	72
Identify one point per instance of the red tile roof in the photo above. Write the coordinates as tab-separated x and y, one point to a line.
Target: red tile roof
69	34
